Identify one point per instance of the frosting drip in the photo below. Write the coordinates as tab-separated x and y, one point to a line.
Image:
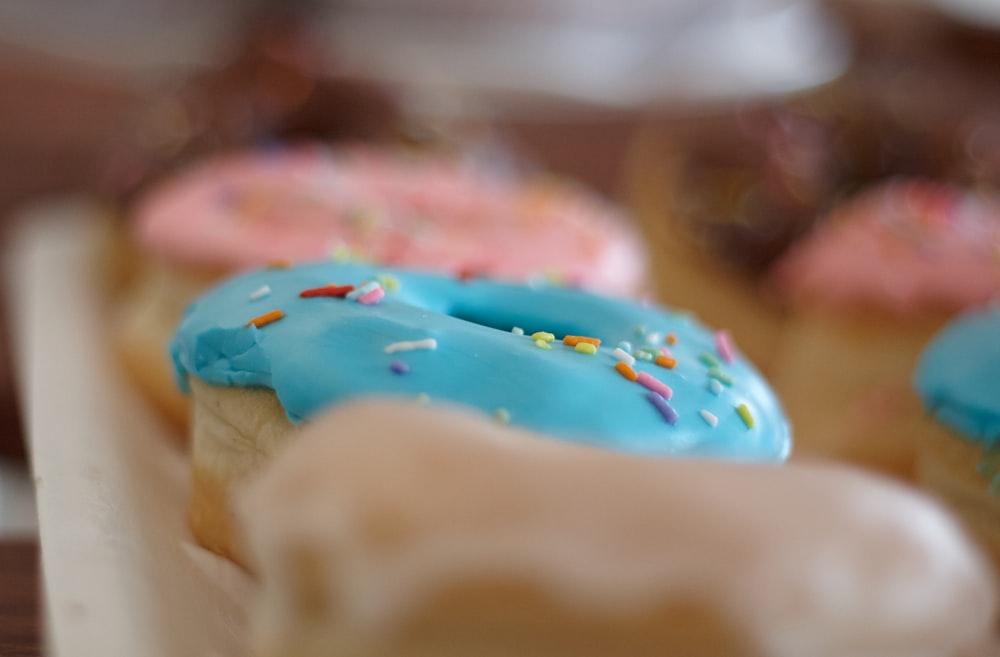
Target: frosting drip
438	337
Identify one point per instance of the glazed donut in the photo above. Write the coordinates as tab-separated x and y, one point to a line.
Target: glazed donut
247	208
389	530
551	359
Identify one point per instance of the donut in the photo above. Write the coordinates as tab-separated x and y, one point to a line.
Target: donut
271	348
957	425
864	292
389	529
296	202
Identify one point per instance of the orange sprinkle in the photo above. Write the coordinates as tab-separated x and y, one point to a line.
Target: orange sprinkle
573	340
279	264
626	371
666	361
266	318
671	338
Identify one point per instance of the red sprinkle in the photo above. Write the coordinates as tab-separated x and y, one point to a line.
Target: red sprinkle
331	290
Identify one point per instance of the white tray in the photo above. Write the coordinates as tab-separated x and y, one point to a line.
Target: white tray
121	577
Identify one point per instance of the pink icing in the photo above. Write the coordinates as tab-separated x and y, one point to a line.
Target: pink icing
309	202
904	246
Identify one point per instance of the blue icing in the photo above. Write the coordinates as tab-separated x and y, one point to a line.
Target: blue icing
958	376
327	350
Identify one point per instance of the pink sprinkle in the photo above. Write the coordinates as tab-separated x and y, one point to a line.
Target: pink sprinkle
665	351
655	385
724	345
372	296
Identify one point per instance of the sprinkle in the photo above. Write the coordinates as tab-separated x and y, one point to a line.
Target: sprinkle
330	290
623	356
372	296
665	409
724	345
666	361
745	415
517	330
422	399
640	330
365	288
261	292
388	282
399	367
502	415
625	370
671	338
585	348
266	318
411	345
543	335
573	340
710	419
655	385
715	387
625	346
649	351
280	264
653	338
720	376
709	360
665	351
542	344
643	355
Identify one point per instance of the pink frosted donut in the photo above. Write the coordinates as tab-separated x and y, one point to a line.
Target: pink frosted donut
430	212
906	247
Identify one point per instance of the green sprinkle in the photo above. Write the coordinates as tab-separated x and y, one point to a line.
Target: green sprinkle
542	344
585	348
652	351
640	330
502	415
643	355
720	376
422	399
709	360
517	330
542	335
745	415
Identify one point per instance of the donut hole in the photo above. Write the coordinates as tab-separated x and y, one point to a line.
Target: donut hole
507	319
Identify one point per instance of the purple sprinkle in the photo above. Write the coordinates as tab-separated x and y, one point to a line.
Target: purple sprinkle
665	409
399	367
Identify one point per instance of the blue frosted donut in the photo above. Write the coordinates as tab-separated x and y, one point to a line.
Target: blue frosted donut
679	390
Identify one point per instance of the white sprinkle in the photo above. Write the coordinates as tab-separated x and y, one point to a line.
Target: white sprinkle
654	338
621	355
715	386
517	330
261	292
710	419
410	345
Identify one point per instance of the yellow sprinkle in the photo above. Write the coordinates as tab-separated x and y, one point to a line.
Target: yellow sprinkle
745	415
585	348
542	344
543	335
502	415
388	282
266	318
